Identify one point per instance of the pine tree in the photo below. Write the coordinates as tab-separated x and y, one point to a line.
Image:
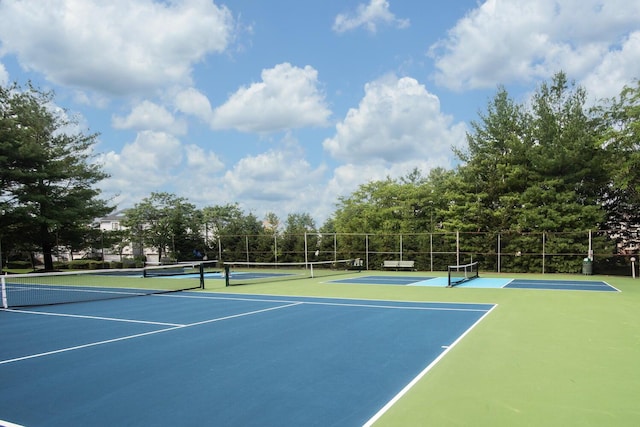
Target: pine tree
47	178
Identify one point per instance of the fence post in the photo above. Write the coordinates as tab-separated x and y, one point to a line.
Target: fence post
544	241
366	248
431	249
498	252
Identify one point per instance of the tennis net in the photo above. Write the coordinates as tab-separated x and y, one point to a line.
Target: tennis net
248	273
462	273
20	290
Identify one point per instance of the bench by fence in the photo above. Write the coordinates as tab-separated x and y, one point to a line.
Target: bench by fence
399	264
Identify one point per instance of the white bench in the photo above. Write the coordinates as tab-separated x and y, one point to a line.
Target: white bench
399	264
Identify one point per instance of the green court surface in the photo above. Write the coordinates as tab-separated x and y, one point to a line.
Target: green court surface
541	358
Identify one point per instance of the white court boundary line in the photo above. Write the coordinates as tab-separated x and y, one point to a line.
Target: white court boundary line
128	337
414	381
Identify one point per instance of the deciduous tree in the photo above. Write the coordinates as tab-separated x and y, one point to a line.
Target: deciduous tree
167	223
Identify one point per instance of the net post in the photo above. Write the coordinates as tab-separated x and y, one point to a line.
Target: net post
227	273
5	303
469	272
311	270
201	270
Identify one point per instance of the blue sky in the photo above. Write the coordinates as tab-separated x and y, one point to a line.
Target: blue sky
284	106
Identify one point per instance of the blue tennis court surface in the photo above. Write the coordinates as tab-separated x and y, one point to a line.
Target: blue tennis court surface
483	282
579	285
196	359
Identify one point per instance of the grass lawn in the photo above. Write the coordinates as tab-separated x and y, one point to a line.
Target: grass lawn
541	358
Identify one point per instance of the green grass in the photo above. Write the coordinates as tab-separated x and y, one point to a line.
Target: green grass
552	358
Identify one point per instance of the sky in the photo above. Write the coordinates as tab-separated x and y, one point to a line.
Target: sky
285	106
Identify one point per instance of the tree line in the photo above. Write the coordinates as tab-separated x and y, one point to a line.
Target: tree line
178	230
551	163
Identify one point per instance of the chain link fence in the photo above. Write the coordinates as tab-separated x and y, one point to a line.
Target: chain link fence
543	252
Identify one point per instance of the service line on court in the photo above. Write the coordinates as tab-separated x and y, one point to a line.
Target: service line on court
143	334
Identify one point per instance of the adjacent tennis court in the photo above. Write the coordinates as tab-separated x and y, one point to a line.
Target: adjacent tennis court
195	358
482	282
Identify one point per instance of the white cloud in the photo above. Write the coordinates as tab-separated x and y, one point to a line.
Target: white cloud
199	160
157	161
4	75
397	127
87	98
150	116
617	68
119	46
288	97
369	16
191	101
199	179
274	176
521	41
150	162
279	180
398	122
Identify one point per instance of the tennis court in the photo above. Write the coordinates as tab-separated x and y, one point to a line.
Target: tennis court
198	358
482	282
